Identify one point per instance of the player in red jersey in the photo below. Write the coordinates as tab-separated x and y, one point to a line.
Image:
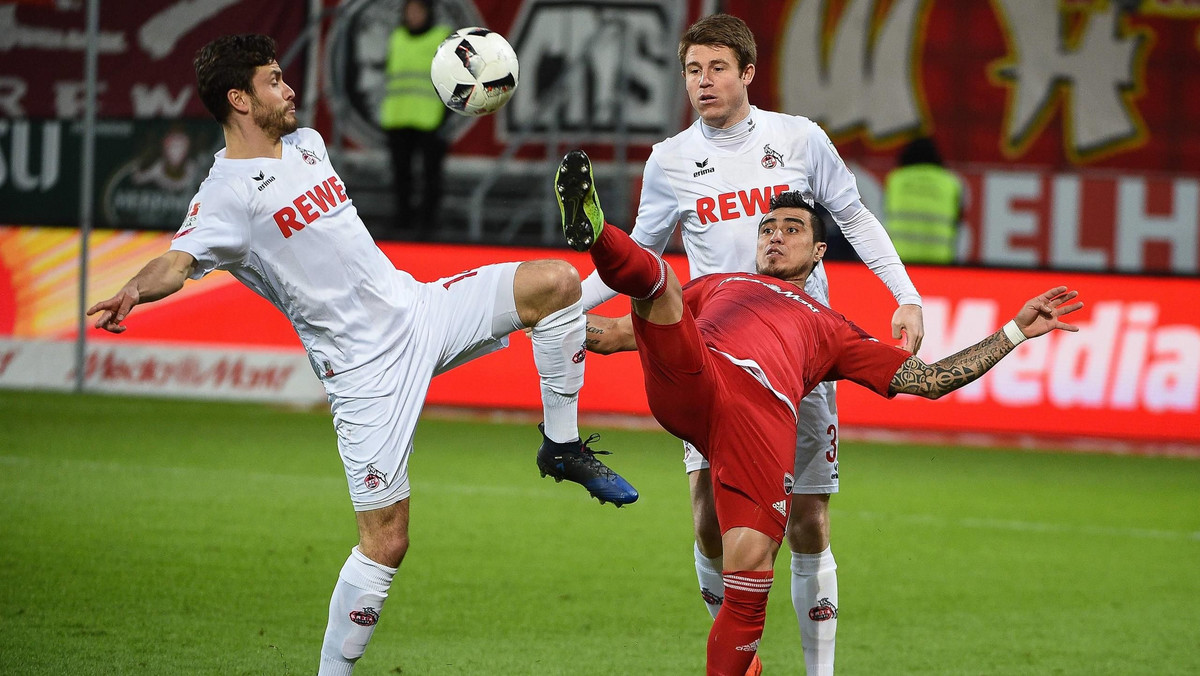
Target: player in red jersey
727	359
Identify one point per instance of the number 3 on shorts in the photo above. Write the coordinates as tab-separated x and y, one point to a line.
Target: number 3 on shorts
831	454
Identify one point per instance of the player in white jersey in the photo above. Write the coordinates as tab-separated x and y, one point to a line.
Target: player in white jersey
275	214
715	180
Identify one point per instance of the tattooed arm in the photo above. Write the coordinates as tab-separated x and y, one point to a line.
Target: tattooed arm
606	335
1038	317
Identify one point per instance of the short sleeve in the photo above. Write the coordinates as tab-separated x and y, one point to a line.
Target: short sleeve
216	230
833	184
864	360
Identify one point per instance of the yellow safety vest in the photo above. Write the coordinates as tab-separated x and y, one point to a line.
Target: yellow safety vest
411	101
921	205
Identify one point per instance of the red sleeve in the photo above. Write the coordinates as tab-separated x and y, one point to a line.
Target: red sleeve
866	361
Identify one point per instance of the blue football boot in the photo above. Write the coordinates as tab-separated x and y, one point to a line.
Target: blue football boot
576	461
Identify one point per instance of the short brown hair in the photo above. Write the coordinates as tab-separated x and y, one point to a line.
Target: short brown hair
228	63
720	30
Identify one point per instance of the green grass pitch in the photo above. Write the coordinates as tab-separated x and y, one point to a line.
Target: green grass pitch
163	537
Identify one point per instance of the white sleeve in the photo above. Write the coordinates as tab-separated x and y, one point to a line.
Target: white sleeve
595	291
833	184
872	244
658	209
216	231
657	217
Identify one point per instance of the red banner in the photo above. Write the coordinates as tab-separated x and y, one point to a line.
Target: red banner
1132	372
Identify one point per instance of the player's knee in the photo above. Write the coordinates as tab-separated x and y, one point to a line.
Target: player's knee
386	548
544	287
397	547
705	524
808	524
563	283
708	539
557	282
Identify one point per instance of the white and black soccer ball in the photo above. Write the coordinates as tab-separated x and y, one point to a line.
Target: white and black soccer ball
475	71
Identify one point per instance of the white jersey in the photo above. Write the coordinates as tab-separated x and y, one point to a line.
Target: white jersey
287	229
718	196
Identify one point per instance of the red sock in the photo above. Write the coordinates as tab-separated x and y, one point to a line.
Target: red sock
626	267
733	641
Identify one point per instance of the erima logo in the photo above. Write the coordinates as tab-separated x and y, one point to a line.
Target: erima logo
704	168
264	181
781	507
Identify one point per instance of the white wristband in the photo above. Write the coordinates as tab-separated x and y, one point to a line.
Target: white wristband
1014	333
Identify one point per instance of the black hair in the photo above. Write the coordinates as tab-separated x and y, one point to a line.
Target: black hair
228	63
792	199
920	151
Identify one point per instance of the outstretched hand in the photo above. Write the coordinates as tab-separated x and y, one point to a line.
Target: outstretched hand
1041	314
114	310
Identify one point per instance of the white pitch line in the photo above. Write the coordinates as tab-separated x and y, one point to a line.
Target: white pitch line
1016	525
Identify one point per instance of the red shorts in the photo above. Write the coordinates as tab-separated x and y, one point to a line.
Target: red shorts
746	432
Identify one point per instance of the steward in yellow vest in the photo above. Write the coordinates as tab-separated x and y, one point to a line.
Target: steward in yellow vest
410	101
922	205
410	115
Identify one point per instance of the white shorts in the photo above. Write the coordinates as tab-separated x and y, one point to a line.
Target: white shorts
461	317
816	468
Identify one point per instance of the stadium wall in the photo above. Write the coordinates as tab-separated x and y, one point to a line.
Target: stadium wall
1131	373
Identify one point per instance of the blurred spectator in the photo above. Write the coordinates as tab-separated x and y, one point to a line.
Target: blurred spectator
411	115
922	205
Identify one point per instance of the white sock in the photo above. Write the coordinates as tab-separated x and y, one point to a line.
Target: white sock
354	609
558	354
815	598
712	583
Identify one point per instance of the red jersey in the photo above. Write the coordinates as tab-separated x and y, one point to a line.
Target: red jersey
783	337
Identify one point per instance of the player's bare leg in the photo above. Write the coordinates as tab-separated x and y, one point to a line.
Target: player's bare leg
814	580
547	297
362	586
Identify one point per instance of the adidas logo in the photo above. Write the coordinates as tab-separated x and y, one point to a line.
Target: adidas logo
751	647
781	507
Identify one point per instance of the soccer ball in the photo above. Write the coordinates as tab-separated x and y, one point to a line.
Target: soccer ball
474	71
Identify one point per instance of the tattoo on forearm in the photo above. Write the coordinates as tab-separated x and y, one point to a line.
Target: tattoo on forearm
934	380
593	340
